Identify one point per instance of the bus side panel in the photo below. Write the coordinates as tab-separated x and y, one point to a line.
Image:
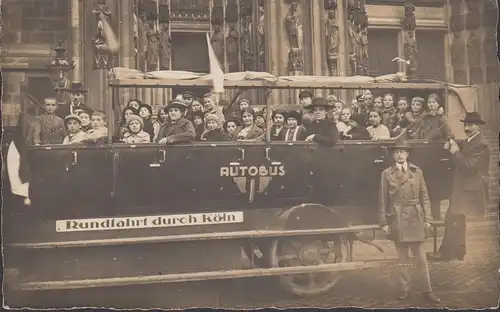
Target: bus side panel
91	180
136	177
50	181
290	169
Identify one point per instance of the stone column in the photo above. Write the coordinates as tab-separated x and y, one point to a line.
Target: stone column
126	35
272	56
77	39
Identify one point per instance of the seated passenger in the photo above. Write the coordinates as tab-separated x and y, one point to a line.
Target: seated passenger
127	112
249	131
99	132
135	133
378	103
415	118
48	128
213	131
178	129
73	127
194	108
198	120
349	129
295	131
278	127
260	120
400	121
377	130
188	98
389	112
321	130
162	116
156	123
230	127
361	115
145	112
305	98
135	104
434	124
85	119
211	107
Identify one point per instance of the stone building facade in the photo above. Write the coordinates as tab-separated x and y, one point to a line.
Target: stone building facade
447	40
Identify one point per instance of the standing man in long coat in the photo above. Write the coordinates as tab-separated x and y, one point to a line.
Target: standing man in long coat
469	196
404	214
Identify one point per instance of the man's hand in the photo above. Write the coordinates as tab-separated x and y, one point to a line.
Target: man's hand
427	225
310	138
386	229
163	142
454	147
447	145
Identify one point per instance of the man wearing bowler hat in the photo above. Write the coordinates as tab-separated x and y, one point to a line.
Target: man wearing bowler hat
469	195
322	130
404	215
76	103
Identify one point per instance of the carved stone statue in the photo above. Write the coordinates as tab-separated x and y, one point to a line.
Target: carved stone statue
294	26
165	47
217	41
232	50
260	37
409	23
294	31
411	50
363	55
246	40
332	34
458	51
153	48
101	56
473	50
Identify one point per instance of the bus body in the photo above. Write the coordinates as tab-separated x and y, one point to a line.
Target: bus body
121	214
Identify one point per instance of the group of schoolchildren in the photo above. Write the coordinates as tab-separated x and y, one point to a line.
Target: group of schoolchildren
188	118
82	126
386	116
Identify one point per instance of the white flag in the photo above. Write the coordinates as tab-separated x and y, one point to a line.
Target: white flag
215	69
17	186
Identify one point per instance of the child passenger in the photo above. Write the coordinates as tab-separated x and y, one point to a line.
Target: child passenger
178	129
145	112
48	128
85	119
99	132
197	118
213	131
434	124
73	127
135	134
295	131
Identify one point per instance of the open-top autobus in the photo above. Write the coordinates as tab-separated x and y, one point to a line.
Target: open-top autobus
120	214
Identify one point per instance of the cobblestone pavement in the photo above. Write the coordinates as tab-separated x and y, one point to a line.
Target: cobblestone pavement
472	283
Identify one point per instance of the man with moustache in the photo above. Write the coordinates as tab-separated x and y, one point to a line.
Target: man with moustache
404	215
469	195
77	93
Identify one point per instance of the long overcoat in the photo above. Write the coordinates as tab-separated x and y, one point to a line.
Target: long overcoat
470	185
404	203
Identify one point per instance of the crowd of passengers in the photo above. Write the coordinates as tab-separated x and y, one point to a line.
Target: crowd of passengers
188	118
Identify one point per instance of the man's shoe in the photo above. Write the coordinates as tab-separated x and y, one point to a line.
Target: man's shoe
405	295
431	297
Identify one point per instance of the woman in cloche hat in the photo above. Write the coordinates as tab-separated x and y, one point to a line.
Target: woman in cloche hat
179	129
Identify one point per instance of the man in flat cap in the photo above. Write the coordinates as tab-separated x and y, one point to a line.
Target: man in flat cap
469	196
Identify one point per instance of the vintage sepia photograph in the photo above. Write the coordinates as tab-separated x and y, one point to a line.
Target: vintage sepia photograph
248	154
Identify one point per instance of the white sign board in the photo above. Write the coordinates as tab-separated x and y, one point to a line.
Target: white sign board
128	223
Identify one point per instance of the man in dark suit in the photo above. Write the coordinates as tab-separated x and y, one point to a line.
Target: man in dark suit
322	130
77	93
469	195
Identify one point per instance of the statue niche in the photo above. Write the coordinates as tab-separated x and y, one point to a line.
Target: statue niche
232	51
294	30
101	48
165	47
358	37
152	51
217	41
410	40
458	51
332	41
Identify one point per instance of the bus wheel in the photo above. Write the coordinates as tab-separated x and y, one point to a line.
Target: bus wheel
308	251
